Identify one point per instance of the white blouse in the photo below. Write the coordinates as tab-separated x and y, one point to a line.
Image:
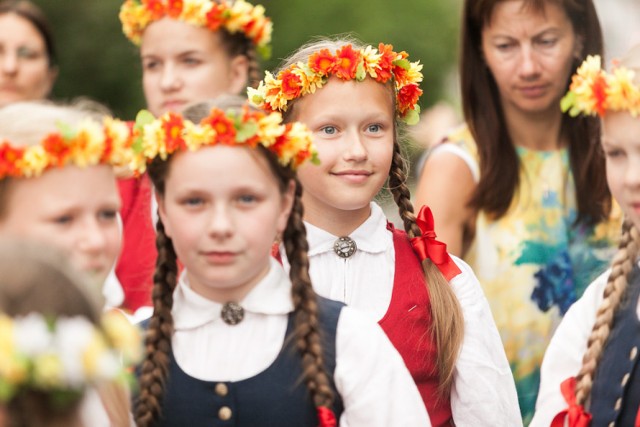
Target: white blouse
483	391
368	368
563	358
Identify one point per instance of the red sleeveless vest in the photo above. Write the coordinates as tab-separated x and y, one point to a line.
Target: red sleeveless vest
407	323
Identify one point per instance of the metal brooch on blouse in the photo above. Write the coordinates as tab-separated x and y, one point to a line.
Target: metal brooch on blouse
232	313
344	247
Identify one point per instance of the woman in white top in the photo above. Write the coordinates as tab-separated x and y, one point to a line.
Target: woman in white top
234	337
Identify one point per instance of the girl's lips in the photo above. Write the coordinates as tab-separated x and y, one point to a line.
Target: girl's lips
533	91
173	105
353	176
220	257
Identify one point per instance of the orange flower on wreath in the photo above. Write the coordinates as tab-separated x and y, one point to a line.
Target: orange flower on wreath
174	8
172	127
408	96
9	157
346	63
57	148
291	84
599	88
155	7
387	56
215	17
322	62
223	126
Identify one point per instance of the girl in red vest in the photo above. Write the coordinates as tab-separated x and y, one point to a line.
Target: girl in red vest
353	98
191	50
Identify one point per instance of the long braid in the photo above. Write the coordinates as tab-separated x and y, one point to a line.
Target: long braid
621	267
448	322
255	70
307	332
155	367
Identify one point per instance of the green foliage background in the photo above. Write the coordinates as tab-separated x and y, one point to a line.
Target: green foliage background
97	61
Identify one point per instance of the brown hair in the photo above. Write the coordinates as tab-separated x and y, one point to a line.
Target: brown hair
238	44
32	13
37	279
499	163
307	333
448	325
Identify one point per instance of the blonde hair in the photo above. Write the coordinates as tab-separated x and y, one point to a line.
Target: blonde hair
621	267
36	278
448	323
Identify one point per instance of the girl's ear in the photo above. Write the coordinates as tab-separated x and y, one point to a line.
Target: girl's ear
287	204
238	74
162	213
578	47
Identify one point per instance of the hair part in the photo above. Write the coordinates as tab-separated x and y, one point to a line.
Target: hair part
483	113
307	333
32	13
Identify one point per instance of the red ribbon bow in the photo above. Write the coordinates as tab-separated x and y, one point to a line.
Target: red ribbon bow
326	417
427	247
578	417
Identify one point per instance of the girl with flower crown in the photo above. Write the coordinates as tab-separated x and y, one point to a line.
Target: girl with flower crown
191	50
430	305
58	186
590	374
519	189
55	348
233	339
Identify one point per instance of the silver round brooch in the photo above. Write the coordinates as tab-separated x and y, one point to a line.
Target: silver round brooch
232	313
344	247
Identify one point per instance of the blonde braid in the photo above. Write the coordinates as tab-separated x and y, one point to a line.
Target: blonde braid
155	367
621	267
307	331
448	322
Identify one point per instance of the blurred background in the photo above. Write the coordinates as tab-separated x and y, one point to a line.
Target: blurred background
96	60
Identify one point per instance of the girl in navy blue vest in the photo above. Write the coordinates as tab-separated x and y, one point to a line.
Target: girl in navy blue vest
233	340
590	373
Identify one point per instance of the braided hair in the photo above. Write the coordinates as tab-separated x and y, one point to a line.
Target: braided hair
614	291
307	334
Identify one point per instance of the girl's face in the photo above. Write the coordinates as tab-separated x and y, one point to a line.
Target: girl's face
74	209
529	54
24	67
621	145
223	208
183	63
353	129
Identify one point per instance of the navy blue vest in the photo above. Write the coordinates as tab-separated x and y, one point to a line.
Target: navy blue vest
276	397
615	396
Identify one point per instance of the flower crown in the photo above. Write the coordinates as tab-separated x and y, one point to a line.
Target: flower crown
382	64
240	16
64	355
170	133
594	91
88	144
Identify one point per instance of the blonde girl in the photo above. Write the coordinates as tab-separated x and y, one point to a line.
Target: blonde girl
233	339
354	98
589	372
191	50
50	321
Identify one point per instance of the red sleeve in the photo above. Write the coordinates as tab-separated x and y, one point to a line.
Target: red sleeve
137	260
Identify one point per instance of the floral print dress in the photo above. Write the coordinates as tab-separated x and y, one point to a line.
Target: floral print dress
533	263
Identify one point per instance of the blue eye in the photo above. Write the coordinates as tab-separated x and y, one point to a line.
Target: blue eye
192	201
329	130
375	128
548	42
247	199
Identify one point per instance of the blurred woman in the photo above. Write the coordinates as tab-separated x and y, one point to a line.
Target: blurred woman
27	55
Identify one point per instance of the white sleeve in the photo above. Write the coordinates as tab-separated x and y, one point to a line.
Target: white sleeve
563	357
483	392
460	152
376	387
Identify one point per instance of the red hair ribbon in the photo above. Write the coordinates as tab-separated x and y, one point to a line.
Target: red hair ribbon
326	417
578	417
427	247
